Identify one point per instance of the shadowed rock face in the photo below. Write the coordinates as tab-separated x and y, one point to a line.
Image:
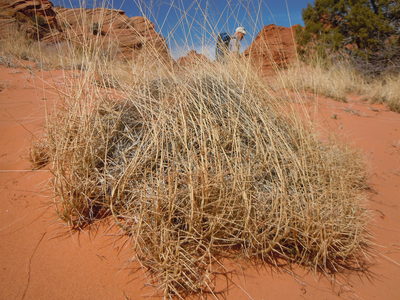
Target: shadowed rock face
274	47
110	28
35	18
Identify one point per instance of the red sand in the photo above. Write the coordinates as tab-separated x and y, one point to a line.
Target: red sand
40	259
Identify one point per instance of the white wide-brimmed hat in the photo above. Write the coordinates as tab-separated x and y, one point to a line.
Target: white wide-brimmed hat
241	30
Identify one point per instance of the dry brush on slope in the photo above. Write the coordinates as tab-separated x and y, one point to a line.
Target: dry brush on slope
204	165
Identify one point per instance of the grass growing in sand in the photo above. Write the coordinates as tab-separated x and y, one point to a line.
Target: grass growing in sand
385	91
17	49
201	164
339	80
335	81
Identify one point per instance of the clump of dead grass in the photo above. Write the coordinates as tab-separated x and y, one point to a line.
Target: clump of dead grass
339	80
39	154
386	90
17	49
6	61
205	165
335	80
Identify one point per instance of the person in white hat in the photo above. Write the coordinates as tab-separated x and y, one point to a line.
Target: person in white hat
234	45
227	43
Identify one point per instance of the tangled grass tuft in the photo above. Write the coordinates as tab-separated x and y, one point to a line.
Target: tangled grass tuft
205	165
39	154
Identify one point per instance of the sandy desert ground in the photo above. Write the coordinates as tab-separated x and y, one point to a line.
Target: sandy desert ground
41	259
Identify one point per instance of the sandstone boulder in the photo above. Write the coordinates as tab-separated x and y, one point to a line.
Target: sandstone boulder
273	48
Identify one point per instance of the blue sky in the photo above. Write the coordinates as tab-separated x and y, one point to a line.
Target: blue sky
193	24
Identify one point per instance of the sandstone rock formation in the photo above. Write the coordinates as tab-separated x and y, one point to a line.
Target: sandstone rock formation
192	58
273	48
111	28
35	18
128	38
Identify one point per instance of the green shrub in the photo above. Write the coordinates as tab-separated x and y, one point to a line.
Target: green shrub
366	30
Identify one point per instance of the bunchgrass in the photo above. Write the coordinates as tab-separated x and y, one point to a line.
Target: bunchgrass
205	165
386	90
39	154
201	164
338	81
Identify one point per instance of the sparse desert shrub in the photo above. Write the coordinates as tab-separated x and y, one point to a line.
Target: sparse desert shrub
339	80
385	62
6	61
331	80
39	154
394	105
204	166
65	54
16	46
385	90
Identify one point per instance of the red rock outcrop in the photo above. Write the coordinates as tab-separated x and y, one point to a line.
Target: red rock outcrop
126	37
274	47
129	37
192	58
35	18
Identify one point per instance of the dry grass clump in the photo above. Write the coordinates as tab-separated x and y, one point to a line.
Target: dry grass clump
6	61
39	154
386	90
203	166
335	81
340	80
16	49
